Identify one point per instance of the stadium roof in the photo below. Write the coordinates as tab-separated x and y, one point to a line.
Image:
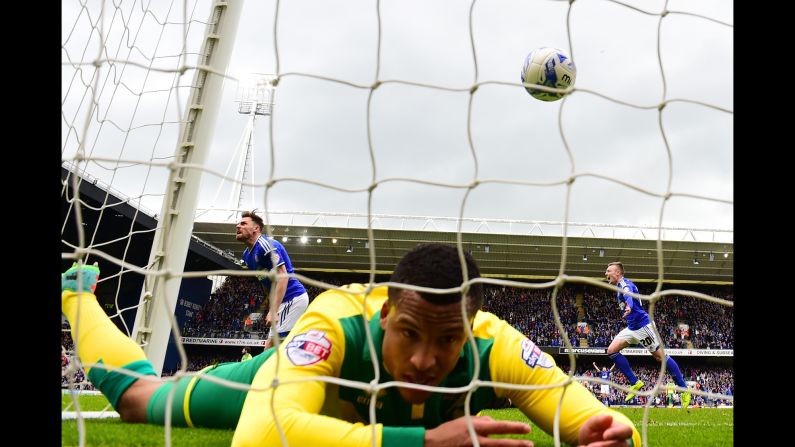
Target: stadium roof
499	255
503	248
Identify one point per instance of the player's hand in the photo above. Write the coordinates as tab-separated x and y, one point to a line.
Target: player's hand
455	433
89	275
269	318
603	431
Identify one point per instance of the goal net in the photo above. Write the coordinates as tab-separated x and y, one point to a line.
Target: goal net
374	111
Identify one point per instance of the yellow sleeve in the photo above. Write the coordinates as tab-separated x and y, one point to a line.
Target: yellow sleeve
516	359
315	347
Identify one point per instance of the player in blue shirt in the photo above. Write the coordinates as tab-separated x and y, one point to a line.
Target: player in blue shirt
638	331
604	389
264	253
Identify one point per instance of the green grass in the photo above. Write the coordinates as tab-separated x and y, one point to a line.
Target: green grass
114	432
87	403
667	427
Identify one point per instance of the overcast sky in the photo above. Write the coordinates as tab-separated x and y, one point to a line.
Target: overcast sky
320	127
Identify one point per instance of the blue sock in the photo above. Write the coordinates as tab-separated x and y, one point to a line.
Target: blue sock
623	365
673	368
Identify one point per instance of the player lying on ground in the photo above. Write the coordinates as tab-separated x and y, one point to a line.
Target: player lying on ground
418	337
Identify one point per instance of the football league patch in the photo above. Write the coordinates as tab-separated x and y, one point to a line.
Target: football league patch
309	348
533	356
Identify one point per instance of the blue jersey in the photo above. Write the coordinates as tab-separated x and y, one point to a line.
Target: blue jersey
605	375
637	317
259	258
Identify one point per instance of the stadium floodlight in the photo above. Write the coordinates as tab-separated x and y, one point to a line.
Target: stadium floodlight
725	255
255	94
285	238
303	239
334	241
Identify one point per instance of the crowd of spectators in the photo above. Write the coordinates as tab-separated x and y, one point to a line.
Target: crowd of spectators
67	345
683	322
227	314
530	312
67	352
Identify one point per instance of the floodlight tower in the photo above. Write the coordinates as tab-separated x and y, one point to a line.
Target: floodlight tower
255	98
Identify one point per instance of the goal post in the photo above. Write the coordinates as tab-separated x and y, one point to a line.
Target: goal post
153	322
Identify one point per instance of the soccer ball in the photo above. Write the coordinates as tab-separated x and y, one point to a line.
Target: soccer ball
549	67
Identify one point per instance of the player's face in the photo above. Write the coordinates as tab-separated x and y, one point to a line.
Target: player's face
612	274
245	229
422	342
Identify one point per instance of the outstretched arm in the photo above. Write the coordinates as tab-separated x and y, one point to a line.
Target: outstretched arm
517	360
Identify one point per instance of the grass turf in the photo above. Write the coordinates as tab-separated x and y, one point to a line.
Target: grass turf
667	427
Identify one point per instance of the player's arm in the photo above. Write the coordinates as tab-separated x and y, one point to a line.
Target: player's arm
515	359
280	289
596	367
628	300
265	262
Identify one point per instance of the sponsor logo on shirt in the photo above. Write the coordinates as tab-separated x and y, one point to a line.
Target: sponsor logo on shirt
309	348
532	355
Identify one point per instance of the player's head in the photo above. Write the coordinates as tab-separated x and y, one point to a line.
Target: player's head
424	332
614	272
249	228
604	368
245	350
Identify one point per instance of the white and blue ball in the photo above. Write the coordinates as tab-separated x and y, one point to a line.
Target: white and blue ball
549	67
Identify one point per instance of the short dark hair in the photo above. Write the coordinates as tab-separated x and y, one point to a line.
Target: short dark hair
257	220
438	266
619	265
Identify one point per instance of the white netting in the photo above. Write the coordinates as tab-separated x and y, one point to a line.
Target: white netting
356	128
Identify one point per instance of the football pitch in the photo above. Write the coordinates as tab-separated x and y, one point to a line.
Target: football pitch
667	427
